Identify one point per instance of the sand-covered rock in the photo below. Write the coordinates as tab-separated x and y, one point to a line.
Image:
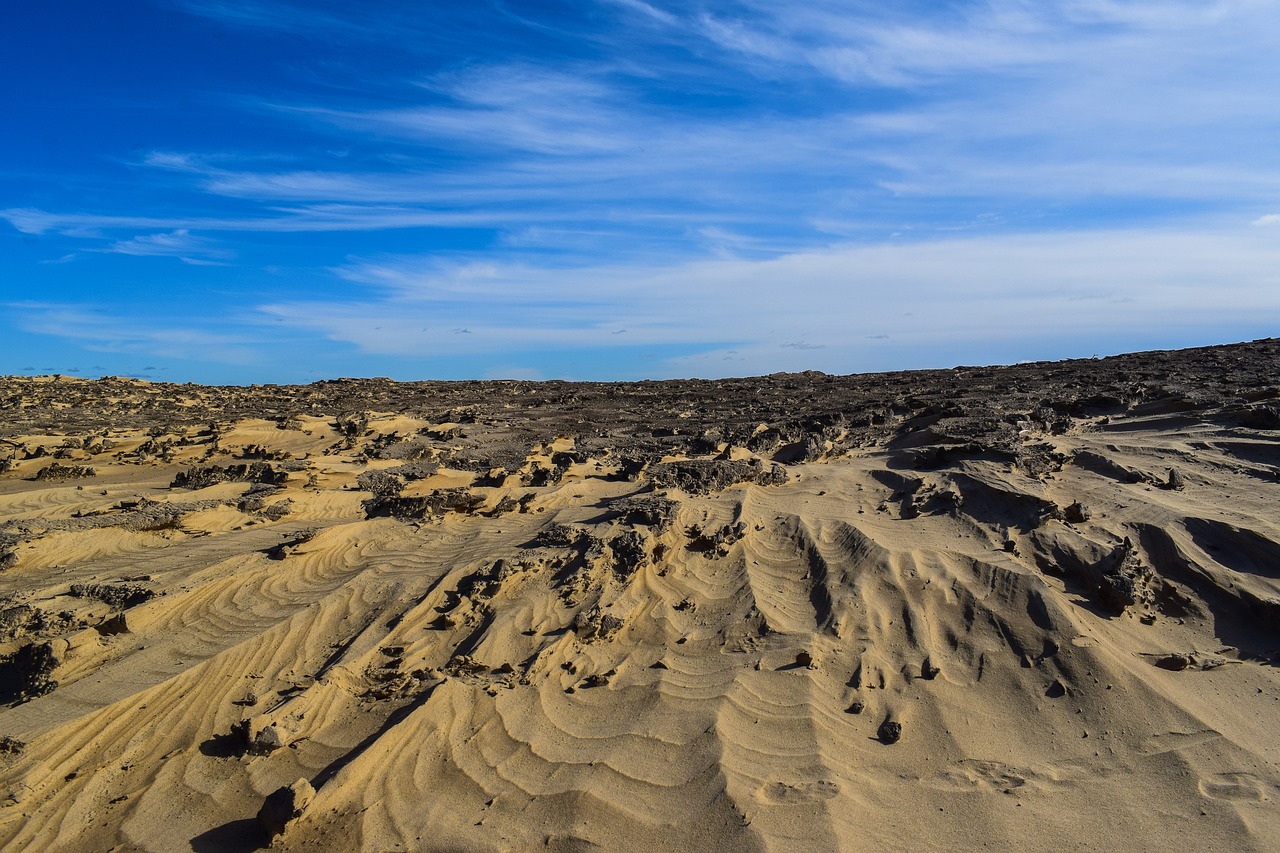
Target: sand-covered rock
285	804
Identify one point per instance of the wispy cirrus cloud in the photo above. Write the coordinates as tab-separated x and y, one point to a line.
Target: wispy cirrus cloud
648	10
99	330
1081	101
318	218
178	244
312	18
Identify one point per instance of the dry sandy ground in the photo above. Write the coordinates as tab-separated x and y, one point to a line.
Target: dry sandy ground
892	639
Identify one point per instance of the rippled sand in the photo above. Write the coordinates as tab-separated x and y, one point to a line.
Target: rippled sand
1034	608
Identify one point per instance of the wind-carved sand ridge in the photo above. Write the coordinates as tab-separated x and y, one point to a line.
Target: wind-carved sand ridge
1032	608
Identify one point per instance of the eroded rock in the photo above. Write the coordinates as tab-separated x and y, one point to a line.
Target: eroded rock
705	476
283	805
28	672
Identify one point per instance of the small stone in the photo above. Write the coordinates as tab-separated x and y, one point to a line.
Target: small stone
890	731
854	708
266	740
804	659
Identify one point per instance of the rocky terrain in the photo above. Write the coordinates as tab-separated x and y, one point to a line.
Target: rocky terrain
1033	607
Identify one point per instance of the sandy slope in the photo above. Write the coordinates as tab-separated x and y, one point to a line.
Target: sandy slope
620	663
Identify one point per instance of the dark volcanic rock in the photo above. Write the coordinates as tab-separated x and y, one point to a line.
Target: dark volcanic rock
649	510
152	516
629	552
979	408
1260	417
255	497
27	673
704	476
64	472
383	484
118	595
210	475
1118	591
20	620
8	549
433	505
716	542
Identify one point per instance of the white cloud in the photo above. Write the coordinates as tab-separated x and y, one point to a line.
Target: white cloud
179	244
272	14
102	331
302	218
648	10
821	307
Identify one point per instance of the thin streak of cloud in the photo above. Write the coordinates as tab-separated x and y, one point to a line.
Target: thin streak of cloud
307	218
648	10
100	331
275	15
179	244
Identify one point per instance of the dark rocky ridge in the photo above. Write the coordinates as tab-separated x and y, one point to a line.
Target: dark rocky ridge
930	415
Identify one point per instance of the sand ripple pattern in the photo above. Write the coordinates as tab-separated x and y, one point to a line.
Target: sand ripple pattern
864	657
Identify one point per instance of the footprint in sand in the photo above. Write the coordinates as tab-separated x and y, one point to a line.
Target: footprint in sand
1174	741
798	792
1233	786
973	775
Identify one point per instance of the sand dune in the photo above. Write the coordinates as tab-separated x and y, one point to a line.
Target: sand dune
1031	608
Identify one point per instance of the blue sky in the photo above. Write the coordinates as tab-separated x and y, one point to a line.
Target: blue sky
245	191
